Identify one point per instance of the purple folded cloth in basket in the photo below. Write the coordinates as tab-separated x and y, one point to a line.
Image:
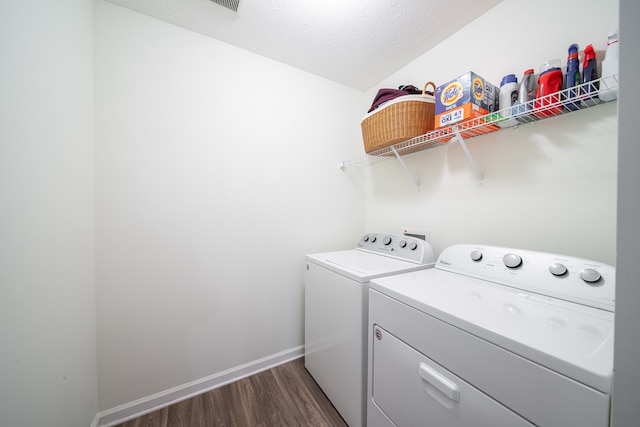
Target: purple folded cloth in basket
385	95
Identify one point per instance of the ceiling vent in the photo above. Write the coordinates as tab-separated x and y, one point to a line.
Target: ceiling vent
229	4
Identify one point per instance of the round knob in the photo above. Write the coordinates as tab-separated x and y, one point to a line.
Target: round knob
373	239
476	255
403	243
512	260
387	241
589	275
557	269
413	246
366	238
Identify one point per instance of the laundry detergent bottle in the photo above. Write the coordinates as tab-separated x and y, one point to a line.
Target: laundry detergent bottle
572	79
549	84
609	83
508	97
589	73
527	92
526	96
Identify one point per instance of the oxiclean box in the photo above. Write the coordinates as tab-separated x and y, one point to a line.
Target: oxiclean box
469	96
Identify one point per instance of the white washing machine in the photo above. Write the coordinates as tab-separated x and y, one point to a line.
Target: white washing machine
336	313
493	337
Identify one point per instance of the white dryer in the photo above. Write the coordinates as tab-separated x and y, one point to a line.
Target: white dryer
336	313
493	337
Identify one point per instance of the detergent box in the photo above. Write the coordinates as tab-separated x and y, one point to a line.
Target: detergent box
467	97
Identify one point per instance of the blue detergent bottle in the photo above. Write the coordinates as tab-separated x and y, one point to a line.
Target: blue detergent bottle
589	73
572	79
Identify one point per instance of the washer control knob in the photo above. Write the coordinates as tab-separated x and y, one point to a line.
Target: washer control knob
373	239
365	238
413	246
589	275
403	243
387	241
557	269
476	255
512	260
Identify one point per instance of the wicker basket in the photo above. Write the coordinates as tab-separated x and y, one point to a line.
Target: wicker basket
399	120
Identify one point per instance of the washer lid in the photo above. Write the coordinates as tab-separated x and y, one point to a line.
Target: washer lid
363	266
568	338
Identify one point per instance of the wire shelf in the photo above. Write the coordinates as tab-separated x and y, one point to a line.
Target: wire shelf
562	102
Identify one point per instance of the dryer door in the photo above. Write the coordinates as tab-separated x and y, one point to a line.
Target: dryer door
413	390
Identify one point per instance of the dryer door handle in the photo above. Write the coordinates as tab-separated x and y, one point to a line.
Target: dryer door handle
440	382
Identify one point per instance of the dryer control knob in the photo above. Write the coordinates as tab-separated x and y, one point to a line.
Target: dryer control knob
476	255
403	243
413	246
589	275
512	260
387	241
557	269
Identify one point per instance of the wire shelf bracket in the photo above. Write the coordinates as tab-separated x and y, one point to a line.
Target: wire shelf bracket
472	162
411	176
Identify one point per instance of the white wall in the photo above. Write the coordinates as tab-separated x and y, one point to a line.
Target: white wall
47	293
203	190
217	171
626	411
549	186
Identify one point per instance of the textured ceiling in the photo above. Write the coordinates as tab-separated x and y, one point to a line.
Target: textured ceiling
354	42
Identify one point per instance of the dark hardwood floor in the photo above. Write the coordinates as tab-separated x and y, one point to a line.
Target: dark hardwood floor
282	396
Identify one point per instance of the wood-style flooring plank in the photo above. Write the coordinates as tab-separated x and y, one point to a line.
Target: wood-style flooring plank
154	419
285	395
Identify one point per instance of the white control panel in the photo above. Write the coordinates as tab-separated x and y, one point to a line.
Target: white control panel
397	246
569	278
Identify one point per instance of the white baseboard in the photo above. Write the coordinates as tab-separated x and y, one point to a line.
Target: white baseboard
131	410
